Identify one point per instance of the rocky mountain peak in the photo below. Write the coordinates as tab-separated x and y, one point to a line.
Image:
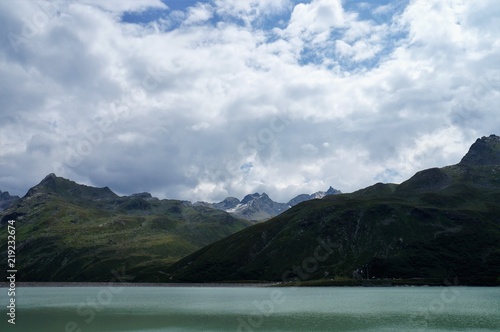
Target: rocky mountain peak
49	182
332	191
6	200
485	151
250	197
317	195
69	189
227	203
51	176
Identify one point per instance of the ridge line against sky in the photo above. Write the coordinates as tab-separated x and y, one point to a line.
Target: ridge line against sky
200	100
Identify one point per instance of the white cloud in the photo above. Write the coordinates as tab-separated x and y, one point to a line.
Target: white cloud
319	16
250	11
119	6
199	14
310	95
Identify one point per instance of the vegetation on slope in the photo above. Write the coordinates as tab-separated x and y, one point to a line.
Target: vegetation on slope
71	232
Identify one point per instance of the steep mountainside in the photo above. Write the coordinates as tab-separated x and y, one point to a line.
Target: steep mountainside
71	232
441	223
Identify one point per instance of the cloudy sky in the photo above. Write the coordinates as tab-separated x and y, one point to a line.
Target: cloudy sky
200	100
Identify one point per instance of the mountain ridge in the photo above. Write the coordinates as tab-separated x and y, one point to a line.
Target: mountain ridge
53	184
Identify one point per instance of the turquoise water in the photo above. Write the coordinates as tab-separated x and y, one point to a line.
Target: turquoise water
151	309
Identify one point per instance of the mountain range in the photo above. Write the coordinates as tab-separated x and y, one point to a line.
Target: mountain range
71	232
64	225
259	207
441	224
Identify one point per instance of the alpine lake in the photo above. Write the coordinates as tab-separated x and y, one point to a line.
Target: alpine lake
152	309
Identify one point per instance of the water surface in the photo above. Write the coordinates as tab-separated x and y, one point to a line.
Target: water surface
151	309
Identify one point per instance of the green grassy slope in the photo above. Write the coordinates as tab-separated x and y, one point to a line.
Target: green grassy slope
70	232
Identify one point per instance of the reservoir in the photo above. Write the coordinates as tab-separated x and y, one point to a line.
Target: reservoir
279	309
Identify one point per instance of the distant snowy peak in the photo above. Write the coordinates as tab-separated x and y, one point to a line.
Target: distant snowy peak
251	197
258	207
317	195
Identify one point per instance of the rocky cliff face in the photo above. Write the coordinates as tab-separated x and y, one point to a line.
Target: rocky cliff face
485	151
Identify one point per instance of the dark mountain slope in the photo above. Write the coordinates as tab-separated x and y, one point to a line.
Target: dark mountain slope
441	223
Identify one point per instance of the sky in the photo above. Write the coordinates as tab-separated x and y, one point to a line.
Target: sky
200	100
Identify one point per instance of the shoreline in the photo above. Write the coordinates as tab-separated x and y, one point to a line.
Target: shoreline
232	284
132	284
